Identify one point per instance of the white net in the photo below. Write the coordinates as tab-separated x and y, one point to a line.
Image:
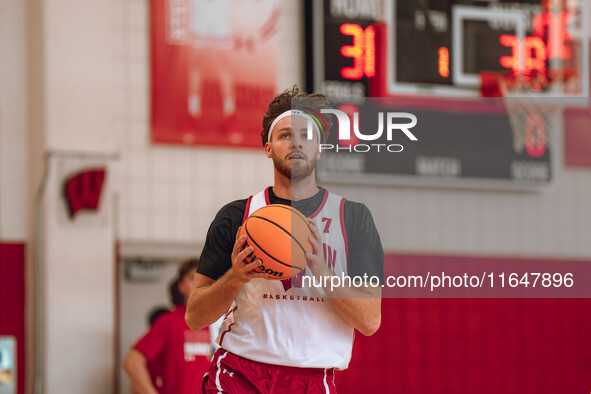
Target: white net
535	113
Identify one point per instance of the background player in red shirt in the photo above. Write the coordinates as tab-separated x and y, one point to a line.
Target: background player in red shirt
179	355
277	336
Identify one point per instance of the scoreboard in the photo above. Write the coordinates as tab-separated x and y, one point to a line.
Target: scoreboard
428	56
454	40
439	47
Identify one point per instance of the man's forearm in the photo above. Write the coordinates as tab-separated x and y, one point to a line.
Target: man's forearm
359	307
363	314
207	303
210	299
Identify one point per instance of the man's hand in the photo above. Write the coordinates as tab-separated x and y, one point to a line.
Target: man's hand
210	298
360	307
316	258
240	271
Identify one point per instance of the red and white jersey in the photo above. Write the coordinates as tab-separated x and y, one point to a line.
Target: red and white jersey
277	323
178	355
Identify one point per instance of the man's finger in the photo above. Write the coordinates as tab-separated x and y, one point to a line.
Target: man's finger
253	265
238	244
243	254
250	270
314	242
314	229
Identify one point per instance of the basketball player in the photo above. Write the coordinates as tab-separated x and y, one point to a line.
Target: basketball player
169	357
211	29
276	336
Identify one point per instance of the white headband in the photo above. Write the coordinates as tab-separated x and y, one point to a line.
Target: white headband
296	112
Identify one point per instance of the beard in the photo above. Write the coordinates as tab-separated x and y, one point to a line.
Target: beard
299	169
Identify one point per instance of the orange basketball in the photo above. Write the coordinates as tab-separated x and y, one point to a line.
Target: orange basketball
279	235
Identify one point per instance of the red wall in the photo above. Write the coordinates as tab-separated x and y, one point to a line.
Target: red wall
474	346
12	301
577	137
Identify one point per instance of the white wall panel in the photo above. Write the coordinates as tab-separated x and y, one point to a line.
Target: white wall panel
13	123
291	46
78	80
78	297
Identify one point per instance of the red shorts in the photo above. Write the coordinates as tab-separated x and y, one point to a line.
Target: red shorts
229	373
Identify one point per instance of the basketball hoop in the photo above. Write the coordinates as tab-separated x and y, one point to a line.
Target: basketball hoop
534	109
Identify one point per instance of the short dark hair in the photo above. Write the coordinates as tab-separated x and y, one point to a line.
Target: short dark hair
155	313
186	266
282	103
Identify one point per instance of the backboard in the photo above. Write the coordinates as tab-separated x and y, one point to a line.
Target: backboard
440	47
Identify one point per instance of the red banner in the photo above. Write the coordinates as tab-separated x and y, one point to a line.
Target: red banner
214	70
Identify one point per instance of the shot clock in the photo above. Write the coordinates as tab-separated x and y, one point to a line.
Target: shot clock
341	45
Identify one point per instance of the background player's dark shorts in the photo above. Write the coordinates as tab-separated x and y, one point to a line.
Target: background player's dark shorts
230	373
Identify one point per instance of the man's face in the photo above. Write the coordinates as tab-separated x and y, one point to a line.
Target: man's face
293	154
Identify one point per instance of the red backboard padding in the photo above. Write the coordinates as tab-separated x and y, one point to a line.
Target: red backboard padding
12	302
577	137
474	346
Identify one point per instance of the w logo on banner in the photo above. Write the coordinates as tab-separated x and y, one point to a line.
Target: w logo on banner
83	190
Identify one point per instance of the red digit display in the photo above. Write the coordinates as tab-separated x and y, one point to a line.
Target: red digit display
511	62
534	55
443	62
533	50
370	51
362	51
